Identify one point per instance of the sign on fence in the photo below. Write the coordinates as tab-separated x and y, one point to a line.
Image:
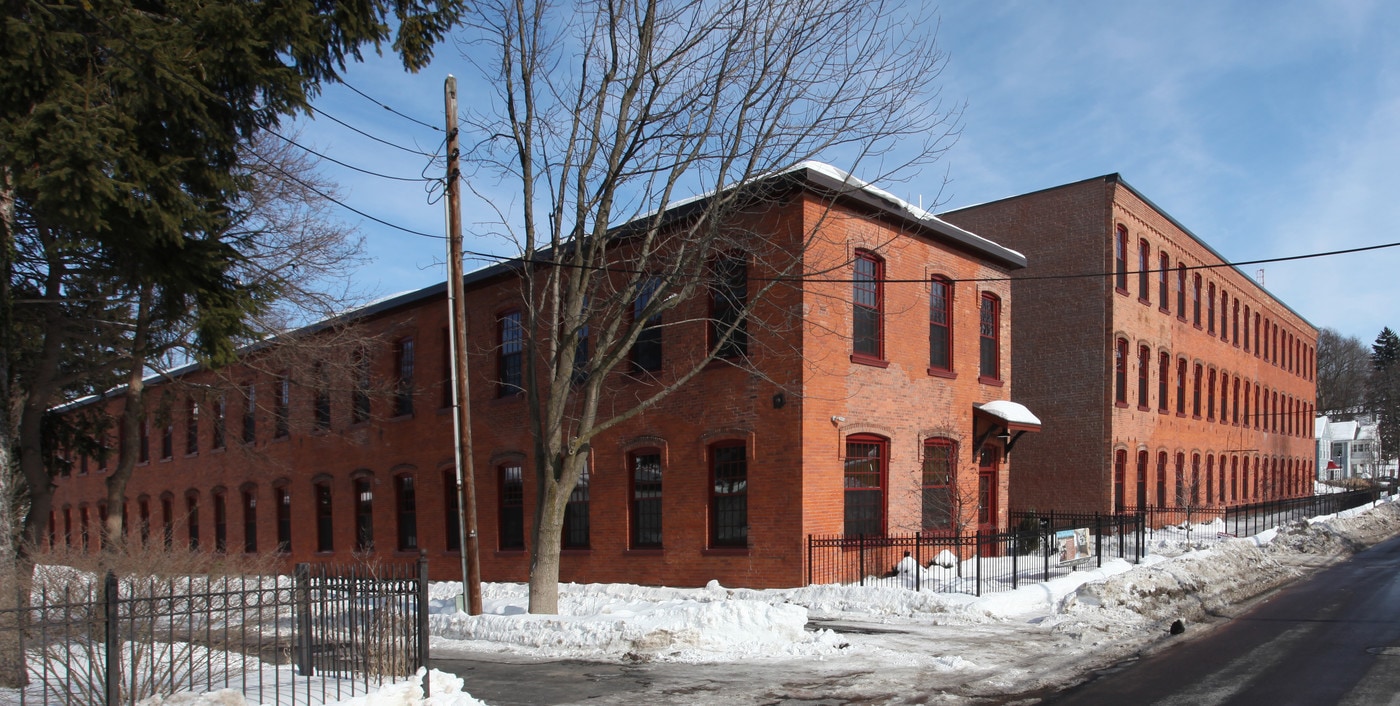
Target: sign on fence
1074	546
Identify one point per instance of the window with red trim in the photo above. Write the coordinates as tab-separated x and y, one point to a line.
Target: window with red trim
729	495
940	455
1181	387
1210	308
1196	300
940	325
1144	367
510	507
1144	271
866	458
868	302
1164	368
989	332
1163	284
1120	259
645	507
1120	372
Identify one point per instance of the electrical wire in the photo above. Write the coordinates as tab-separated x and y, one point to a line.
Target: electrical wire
405	116
317	111
328	158
350	208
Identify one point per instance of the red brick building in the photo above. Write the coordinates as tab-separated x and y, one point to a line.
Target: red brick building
860	415
1175	380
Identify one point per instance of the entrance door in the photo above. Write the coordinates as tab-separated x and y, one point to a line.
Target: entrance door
987	463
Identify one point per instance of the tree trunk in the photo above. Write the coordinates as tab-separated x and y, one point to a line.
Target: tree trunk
13	674
548	532
133	416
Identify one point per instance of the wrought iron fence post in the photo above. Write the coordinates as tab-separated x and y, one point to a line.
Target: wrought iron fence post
1015	559
112	683
423	621
302	602
810	555
977	550
1046	549
860	552
918	562
1098	539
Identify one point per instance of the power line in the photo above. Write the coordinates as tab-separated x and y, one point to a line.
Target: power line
348	207
317	111
328	158
410	118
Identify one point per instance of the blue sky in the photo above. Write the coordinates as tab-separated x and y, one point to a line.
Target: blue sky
1268	129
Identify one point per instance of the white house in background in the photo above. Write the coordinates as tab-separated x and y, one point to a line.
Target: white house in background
1349	449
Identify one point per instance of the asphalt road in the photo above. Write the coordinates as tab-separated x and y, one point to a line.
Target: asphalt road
1333	638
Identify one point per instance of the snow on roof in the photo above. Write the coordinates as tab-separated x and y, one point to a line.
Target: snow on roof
1342	430
844	177
1012	412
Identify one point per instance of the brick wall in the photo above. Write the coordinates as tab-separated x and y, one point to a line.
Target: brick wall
1067	332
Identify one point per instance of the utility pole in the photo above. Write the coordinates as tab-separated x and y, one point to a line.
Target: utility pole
470	600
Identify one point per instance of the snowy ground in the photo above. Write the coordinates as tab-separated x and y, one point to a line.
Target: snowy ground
945	648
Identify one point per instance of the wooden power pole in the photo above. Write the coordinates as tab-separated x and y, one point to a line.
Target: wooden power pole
461	389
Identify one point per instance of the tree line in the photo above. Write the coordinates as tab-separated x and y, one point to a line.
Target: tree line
1354	379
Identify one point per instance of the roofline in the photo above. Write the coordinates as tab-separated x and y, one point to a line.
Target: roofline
800	177
962	237
1115	178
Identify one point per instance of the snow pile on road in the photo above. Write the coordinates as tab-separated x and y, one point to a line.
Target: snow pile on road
613	622
636	622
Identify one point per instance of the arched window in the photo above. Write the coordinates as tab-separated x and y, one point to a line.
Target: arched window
729	295
451	507
939	482
1163	286
403	377
220	500
510	506
364	512
1161	498
645	480
1164	369
865	472
729	494
282	498
868	307
325	518
1120	372
510	347
1144	368
940	325
1144	271
989	332
249	498
406	512
576	517
192	518
1120	259
1120	472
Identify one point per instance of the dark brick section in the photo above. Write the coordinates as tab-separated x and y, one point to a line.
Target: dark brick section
1065	334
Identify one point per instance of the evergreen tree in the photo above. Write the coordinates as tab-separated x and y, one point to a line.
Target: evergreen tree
1385	390
121	127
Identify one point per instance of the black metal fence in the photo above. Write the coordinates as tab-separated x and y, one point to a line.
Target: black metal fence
1038	549
1199	523
973	563
324	634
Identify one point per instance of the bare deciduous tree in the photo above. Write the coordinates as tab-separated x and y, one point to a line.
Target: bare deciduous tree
1343	373
607	113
